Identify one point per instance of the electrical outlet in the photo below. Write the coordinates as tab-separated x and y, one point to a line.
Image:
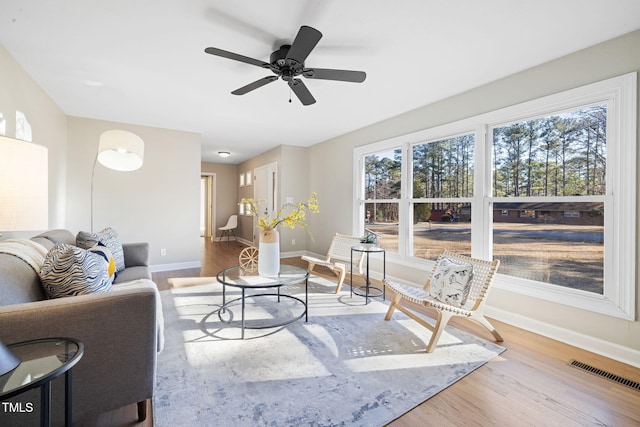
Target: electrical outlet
163	252
293	242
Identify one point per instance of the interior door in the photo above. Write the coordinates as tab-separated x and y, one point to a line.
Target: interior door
207	205
265	184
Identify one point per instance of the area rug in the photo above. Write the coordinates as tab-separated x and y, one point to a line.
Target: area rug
346	366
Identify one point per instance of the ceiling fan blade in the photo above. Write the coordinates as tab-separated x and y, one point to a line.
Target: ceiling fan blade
255	85
301	92
304	43
236	57
329	74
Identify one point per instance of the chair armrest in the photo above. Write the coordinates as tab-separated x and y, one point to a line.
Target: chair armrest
317	261
118	330
136	254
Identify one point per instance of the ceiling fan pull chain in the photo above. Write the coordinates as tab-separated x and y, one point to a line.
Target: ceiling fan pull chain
289	94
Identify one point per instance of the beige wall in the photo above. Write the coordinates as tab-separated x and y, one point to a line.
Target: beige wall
615	337
48	124
158	203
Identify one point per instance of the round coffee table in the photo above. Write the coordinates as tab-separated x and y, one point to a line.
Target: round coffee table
247	278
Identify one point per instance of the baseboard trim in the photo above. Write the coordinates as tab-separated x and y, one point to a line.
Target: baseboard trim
175	266
604	348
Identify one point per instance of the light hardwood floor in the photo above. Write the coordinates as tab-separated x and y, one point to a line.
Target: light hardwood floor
530	384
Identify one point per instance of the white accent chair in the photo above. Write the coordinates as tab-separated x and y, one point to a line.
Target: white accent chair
483	272
339	257
229	228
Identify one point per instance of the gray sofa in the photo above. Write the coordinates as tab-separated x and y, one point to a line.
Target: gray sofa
121	331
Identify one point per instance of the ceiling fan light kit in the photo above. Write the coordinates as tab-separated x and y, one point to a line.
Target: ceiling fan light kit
287	63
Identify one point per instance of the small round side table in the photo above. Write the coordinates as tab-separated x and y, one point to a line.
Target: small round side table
42	361
365	290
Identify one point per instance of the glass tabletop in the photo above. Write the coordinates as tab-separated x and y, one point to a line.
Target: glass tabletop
249	277
367	248
40	361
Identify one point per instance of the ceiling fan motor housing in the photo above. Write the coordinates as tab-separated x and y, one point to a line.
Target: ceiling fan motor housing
285	67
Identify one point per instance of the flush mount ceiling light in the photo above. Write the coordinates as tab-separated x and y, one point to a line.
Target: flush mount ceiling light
224	153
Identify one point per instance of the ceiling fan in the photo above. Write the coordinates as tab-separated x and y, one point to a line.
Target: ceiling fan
287	63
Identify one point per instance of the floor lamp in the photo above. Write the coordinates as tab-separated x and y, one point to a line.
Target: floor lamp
118	150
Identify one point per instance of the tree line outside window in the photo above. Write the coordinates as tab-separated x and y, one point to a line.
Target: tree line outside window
558	155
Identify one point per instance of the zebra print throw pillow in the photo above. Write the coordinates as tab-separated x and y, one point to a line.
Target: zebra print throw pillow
107	237
68	271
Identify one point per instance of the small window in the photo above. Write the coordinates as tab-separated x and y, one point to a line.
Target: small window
527	213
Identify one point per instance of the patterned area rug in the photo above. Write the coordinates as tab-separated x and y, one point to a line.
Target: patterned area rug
346	366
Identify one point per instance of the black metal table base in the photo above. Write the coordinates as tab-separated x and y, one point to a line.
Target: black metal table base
366	291
244	326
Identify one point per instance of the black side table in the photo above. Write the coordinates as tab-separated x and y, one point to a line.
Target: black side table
41	361
365	290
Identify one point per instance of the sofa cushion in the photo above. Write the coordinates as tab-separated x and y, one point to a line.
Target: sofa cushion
56	236
69	271
19	283
132	273
107	237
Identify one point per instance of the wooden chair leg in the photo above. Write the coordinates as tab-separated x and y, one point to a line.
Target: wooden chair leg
342	275
484	322
392	307
142	411
441	323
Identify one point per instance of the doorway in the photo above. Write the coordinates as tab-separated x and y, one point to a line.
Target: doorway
207	205
265	184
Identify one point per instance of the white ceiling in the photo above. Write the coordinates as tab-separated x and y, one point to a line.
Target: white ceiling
143	61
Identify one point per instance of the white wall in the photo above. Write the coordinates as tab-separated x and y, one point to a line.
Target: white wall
617	338
158	203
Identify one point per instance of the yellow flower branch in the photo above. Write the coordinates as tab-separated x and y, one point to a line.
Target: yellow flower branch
296	217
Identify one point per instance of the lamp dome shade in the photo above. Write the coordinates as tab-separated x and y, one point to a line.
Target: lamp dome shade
120	150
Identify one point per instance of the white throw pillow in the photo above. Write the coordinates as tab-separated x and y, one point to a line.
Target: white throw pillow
451	282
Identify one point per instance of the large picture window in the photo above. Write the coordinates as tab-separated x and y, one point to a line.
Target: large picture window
560	158
547	187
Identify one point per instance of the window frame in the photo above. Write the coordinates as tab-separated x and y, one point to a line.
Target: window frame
620	95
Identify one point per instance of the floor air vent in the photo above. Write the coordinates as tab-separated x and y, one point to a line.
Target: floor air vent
604	374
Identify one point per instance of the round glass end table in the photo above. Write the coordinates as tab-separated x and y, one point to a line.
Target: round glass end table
42	361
